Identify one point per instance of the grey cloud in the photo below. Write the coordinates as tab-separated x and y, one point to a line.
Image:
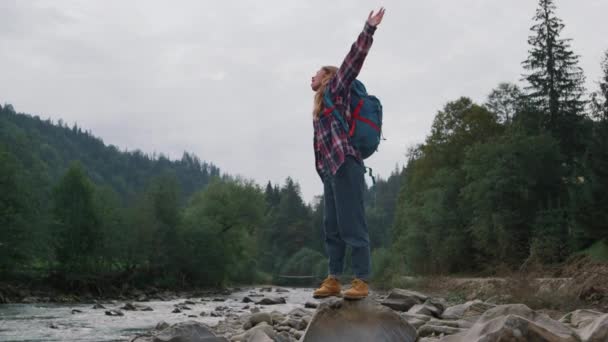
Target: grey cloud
229	80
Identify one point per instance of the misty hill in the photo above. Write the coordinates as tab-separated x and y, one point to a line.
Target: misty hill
46	149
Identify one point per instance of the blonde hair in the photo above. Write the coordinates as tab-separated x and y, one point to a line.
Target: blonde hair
330	71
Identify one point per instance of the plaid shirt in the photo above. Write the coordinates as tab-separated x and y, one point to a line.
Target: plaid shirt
331	142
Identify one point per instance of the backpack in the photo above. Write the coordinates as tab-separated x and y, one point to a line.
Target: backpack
365	126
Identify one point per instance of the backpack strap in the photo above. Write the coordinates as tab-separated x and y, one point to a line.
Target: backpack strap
331	108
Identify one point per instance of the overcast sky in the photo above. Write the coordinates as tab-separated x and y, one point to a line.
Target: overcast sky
230	80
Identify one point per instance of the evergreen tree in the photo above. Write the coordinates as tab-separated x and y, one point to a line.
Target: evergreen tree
76	223
555	81
599	101
14	213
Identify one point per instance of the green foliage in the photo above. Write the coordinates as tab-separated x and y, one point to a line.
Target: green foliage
597	251
306	262
76	224
219	233
508	181
14	213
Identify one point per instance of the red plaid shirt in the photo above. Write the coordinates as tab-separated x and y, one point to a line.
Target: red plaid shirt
331	142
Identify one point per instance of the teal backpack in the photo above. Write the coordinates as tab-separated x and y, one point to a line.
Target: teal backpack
365	126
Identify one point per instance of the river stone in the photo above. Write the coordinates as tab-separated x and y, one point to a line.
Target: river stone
311	305
136	307
246	336
256	319
469	309
259	336
436	330
189	331
415	320
424	309
271	301
516	323
591	326
247	300
98	306
161	325
403	300
362	320
114	313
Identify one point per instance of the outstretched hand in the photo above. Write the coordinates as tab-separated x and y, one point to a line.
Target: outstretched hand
376	19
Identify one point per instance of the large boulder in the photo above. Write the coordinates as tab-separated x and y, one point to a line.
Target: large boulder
403	300
591	326
353	321
189	331
516	323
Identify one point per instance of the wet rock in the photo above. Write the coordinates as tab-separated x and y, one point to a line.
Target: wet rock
176	310
299	312
591	326
469	309
281	290
189	331
98	306
192	316
246	336
129	307
514	322
256	319
76	311
114	312
30	300
415	320
311	305
247	300
354	321
437	330
425	309
161	325
298	324
189	302
266	289
136	307
403	300
271	301
277	317
259	336
219	299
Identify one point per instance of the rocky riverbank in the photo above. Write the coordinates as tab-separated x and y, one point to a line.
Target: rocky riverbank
400	315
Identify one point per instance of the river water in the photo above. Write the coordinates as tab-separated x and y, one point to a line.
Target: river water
55	322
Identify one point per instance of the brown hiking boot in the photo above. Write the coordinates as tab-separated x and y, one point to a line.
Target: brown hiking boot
329	287
358	290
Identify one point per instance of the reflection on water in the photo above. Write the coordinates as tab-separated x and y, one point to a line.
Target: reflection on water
55	322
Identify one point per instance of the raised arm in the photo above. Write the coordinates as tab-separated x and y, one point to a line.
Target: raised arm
351	66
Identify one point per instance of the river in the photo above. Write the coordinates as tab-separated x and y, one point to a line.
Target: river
55	322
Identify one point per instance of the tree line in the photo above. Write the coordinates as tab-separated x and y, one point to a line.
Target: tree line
521	178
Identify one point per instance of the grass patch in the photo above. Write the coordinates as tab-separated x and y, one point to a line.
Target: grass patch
597	252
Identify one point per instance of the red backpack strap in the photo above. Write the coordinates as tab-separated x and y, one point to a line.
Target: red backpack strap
355	117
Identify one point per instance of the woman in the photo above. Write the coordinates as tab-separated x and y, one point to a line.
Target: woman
341	168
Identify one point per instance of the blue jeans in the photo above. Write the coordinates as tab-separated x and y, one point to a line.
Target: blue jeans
344	219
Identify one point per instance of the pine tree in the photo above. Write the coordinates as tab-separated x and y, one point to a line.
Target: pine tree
556	82
599	101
